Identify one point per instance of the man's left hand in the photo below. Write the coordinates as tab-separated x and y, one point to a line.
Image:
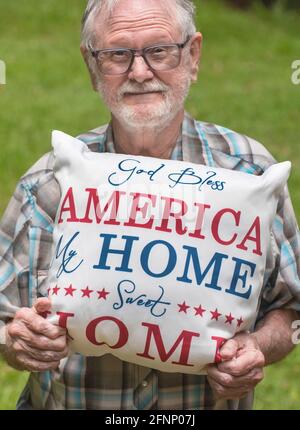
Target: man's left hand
241	368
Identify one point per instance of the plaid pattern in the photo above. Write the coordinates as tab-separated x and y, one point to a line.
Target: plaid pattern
107	382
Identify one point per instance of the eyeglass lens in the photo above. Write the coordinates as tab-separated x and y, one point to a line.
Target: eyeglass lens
118	61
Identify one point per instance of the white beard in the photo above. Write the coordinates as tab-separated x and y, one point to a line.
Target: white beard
147	115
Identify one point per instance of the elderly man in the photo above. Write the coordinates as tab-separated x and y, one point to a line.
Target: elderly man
142	56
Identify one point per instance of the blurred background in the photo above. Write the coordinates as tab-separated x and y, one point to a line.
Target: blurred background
245	84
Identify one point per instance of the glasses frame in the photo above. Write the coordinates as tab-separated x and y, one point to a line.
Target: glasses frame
139	53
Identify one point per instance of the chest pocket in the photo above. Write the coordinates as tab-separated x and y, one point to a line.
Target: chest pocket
40	253
42	290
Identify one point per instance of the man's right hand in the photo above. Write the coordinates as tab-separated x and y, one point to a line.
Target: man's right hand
33	343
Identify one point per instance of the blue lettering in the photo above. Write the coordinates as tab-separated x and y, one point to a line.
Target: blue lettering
215	262
67	256
129	166
238	276
127	287
145	259
126	252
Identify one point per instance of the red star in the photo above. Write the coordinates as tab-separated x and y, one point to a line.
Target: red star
199	311
215	315
87	292
55	290
229	319
102	294
240	322
183	307
69	291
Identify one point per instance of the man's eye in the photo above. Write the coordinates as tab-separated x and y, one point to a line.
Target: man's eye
158	50
119	55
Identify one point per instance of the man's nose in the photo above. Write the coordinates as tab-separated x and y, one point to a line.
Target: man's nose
140	71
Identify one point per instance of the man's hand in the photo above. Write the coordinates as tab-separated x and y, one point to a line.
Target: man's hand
32	343
241	368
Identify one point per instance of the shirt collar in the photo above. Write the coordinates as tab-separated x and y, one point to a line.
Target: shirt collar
180	150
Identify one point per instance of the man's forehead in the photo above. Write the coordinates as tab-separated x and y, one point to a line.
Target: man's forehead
131	16
139	9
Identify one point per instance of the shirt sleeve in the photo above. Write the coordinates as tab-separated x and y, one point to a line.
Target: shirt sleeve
14	256
282	283
26	240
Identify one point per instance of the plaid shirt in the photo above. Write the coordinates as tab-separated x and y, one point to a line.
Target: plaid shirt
106	382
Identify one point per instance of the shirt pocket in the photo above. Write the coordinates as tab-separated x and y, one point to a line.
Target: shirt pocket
40	252
42	285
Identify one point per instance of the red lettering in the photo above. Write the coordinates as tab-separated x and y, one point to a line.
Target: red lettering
220	341
135	208
123	332
185	337
45	314
68	205
63	318
167	214
216	225
171	220
256	238
93	199
199	221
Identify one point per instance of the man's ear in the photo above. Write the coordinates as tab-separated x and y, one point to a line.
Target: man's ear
195	52
94	78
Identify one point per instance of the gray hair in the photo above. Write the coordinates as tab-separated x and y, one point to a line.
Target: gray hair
185	11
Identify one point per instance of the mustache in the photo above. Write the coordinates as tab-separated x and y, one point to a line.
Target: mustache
134	87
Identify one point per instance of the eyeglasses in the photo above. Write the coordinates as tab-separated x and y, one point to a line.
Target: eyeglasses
118	61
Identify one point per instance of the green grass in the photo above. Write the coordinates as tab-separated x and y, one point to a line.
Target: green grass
11	385
245	84
279	390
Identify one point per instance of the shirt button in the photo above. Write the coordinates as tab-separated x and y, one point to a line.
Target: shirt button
145	384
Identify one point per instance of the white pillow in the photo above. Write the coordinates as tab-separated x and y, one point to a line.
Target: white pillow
157	261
